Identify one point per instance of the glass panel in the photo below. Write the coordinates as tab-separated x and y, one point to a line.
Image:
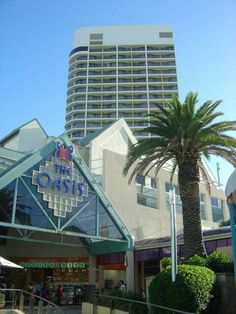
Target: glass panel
28	210
140	179
29	172
214	201
6	202
217	209
146	188
217	214
107	228
85	222
147	200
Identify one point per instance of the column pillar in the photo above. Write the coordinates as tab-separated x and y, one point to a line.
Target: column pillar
92	270
101	279
129	270
233	232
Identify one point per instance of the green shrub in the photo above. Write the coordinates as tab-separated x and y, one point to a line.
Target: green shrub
196	260
2	299
190	292
165	262
224	223
218	262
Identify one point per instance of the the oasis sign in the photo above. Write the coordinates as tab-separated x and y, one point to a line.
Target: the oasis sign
60	182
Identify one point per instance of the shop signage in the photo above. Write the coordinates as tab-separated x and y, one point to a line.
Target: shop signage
60	182
51	264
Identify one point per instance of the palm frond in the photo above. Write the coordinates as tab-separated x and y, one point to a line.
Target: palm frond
181	132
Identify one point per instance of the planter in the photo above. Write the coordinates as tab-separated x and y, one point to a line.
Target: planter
87	308
103	310
119	312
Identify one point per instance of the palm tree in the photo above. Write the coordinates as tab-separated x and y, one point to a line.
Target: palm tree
184	134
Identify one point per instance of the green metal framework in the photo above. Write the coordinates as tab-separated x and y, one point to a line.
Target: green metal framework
25	216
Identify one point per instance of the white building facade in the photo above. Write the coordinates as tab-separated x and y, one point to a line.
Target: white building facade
118	72
144	204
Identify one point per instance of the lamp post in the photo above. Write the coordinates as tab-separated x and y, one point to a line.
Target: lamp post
173	233
230	191
231	206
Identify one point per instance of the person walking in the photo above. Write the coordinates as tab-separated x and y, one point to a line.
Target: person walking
122	286
59	293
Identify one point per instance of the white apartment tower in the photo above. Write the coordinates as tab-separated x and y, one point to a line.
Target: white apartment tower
118	72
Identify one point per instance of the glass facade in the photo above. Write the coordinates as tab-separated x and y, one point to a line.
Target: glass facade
55	193
146	188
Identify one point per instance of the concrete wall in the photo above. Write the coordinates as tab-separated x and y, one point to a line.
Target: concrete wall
123	35
29	138
144	221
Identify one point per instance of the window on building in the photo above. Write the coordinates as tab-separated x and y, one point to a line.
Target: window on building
166	35
96	36
96	39
78	134
146	188
217	209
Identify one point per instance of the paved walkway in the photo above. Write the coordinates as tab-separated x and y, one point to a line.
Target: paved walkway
70	309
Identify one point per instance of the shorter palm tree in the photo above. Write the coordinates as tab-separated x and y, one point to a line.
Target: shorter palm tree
184	134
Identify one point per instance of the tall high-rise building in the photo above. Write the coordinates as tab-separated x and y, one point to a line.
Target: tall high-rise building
118	72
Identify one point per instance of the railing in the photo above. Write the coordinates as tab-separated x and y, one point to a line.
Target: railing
130	306
27	302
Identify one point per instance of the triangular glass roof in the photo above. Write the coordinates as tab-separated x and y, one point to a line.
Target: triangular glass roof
53	191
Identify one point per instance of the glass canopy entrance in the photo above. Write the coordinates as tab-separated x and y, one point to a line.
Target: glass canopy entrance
53	193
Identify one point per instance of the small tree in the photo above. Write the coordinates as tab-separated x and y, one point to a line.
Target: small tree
190	292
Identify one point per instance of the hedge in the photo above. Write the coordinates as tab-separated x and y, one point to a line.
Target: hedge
192	290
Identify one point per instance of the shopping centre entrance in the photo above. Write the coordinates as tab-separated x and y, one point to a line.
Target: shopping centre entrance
55	219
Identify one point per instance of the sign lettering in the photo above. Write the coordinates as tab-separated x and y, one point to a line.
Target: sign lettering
60	182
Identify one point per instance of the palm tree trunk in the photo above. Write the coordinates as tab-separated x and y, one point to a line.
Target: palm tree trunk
188	177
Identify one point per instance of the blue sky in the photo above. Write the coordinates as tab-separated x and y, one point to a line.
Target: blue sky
36	39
